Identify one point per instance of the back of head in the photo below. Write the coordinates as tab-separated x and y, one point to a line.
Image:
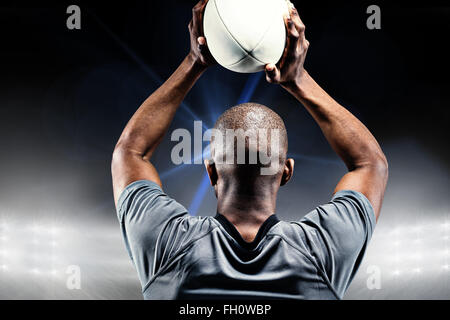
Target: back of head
249	141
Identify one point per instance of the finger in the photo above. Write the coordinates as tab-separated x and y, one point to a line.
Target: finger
199	8
201	41
306	44
292	35
293	12
290	5
299	25
199	5
204	3
285	57
197	14
202	46
272	73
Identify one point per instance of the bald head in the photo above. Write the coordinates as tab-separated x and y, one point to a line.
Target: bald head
248	148
250	116
248	136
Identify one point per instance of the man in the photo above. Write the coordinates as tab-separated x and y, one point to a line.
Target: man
245	251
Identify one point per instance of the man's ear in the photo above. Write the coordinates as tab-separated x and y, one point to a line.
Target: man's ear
212	172
288	171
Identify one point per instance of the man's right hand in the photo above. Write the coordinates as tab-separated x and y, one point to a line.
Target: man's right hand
199	50
289	70
349	138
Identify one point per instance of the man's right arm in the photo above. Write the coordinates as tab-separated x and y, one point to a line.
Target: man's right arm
350	139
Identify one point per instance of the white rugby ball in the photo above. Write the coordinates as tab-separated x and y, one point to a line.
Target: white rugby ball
245	35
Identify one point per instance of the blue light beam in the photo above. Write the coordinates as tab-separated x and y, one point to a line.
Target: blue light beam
199	195
246	95
250	87
153	76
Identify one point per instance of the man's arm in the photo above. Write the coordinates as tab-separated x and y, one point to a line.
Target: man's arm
352	141
145	130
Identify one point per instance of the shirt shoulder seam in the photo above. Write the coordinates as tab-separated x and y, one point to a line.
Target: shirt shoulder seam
320	272
175	257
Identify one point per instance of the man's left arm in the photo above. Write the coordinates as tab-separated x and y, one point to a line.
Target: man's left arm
145	130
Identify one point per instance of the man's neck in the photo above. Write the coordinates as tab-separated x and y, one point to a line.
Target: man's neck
247	212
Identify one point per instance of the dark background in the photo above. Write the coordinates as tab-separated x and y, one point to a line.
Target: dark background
66	95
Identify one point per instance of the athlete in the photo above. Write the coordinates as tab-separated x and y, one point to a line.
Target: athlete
245	251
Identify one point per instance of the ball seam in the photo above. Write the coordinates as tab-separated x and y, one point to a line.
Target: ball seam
237	42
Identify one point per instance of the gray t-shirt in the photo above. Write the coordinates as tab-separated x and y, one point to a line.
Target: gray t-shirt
178	256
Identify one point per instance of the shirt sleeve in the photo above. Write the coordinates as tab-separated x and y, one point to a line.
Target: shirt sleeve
144	212
337	235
